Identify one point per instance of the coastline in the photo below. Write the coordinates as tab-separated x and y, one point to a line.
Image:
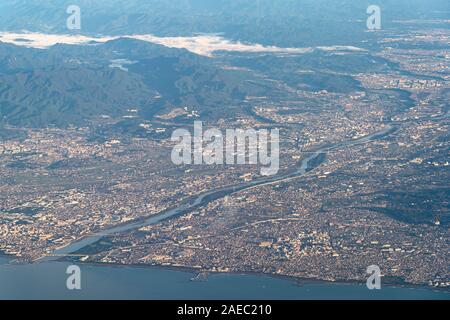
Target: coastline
299	281
313	284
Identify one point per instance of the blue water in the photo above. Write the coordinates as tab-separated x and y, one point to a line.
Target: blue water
47	280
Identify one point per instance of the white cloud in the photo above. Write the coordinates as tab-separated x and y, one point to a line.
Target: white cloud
205	45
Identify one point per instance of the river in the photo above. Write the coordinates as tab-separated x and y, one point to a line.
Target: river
206	197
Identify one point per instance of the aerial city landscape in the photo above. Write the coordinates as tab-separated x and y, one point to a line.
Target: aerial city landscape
86	139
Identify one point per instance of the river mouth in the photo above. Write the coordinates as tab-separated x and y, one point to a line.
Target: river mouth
204	198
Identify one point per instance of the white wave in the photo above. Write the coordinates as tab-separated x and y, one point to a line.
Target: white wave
205	45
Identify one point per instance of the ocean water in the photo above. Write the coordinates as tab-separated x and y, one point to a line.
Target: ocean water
47	280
